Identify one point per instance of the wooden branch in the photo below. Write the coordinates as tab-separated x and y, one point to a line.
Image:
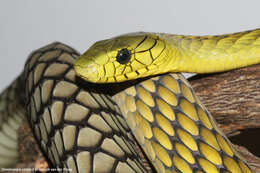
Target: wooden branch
233	98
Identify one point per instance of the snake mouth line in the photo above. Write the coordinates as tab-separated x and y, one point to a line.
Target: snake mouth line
133	74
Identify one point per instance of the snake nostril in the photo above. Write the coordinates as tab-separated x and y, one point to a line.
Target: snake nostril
92	68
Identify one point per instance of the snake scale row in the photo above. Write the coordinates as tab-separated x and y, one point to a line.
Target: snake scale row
79	126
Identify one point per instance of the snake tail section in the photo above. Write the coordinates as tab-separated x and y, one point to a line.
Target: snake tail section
175	130
77	129
12	113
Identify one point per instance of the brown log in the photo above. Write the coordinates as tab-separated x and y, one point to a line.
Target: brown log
233	98
31	155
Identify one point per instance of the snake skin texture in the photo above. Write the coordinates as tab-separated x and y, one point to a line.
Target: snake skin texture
75	127
175	130
11	116
158	53
79	128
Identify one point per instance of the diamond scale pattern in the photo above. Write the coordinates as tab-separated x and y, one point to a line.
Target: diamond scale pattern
76	127
176	132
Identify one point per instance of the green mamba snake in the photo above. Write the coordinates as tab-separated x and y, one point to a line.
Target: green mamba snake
79	127
143	54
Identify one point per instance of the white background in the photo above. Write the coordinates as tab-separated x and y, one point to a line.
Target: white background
26	25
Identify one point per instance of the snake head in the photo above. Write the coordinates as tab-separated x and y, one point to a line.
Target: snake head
122	58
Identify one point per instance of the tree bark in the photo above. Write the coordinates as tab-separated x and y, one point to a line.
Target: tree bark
233	98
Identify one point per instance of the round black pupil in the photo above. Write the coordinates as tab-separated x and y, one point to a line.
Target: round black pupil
123	56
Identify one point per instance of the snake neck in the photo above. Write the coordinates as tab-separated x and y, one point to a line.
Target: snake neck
209	54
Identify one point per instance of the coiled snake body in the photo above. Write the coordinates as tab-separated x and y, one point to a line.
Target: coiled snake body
88	128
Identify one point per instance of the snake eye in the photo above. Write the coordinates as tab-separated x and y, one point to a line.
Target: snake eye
123	56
